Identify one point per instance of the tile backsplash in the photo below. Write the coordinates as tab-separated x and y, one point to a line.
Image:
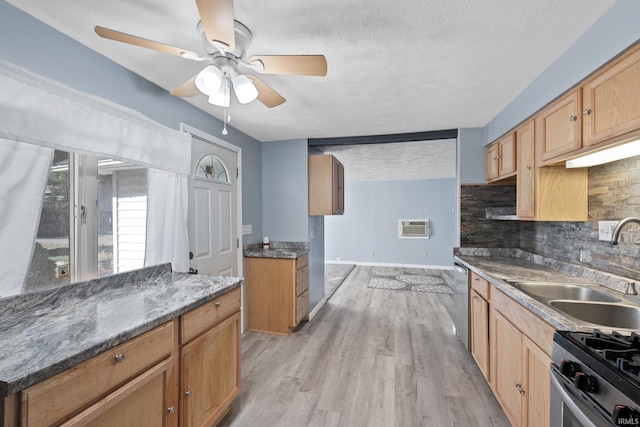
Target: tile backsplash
614	193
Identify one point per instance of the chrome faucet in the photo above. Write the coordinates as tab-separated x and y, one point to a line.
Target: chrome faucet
616	232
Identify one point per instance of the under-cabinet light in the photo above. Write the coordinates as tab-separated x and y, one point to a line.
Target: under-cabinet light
619	152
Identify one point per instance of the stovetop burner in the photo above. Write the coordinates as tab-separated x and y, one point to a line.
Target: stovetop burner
613	356
621	351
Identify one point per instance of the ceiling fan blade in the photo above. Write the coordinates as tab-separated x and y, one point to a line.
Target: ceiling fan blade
266	95
217	20
303	65
139	41
186	89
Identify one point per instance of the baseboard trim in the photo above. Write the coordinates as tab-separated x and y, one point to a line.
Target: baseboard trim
317	308
386	264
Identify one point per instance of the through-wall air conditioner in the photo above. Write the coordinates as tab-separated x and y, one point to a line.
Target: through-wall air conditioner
413	228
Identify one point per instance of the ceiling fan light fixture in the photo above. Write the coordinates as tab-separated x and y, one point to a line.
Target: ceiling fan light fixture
244	89
221	97
209	80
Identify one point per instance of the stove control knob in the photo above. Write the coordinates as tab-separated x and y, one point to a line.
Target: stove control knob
569	368
625	416
585	382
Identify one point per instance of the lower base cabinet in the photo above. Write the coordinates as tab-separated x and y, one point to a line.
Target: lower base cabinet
520	346
210	374
185	372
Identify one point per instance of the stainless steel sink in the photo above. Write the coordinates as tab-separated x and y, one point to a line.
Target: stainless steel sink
603	314
564	291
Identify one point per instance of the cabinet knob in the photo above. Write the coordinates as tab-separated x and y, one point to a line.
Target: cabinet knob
187	393
171	410
573	118
219	304
586	112
528	167
119	358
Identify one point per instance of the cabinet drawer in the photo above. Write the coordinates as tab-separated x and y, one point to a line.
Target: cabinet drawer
302	280
302	306
49	401
204	317
480	285
302	261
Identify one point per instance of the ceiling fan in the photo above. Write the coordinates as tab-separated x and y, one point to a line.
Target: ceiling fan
225	42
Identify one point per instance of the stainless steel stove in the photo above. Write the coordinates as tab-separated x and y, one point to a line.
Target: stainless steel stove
595	379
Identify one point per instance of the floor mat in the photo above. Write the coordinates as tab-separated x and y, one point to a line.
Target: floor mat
416	280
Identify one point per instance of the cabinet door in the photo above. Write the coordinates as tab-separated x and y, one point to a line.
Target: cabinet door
558	128
507	155
525	186
480	332
338	187
491	162
507	341
537	385
140	402
210	374
610	100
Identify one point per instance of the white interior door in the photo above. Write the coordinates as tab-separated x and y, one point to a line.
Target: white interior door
213	209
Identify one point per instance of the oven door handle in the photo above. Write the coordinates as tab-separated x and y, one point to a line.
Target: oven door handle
567	399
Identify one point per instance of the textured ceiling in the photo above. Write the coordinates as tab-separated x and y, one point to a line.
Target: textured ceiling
393	67
397	161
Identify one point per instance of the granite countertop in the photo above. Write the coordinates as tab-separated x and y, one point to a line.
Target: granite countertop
501	266
47	332
277	250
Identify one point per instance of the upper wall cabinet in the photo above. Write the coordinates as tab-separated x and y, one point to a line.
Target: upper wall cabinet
611	100
501	158
326	185
559	128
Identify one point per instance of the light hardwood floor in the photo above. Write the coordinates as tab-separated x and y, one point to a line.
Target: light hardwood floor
371	357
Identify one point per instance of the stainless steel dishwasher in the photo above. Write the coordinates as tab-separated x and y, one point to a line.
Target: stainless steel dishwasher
458	306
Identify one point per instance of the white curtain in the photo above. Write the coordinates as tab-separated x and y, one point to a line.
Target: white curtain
36	112
39	111
23	176
167	236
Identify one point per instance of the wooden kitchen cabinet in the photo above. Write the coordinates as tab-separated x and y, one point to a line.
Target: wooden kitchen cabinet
133	381
501	158
277	293
559	128
611	110
326	185
547	193
520	348
144	381
526	177
479	309
210	360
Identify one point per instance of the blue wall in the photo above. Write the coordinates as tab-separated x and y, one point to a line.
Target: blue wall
285	177
370	222
284	190
29	43
612	33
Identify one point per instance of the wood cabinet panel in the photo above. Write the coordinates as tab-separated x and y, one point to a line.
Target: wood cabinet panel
140	402
480	332
526	184
210	374
507	375
277	293
500	158
51	400
491	162
480	285
536	385
559	127
326	185
610	100
204	317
